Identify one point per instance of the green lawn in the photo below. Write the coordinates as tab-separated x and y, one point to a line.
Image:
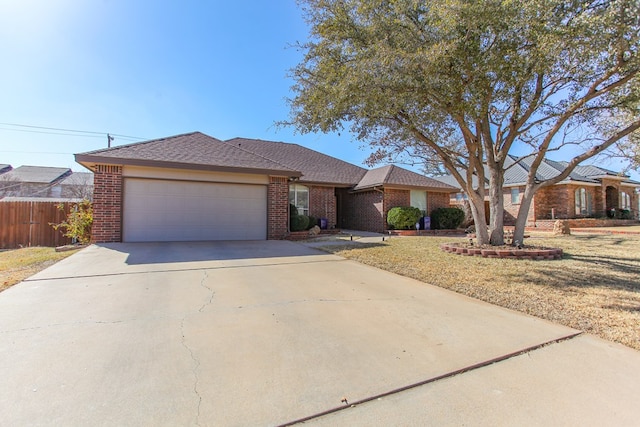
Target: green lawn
594	288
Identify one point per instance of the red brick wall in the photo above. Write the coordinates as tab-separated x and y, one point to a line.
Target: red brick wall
322	204
107	204
557	197
394	198
438	200
363	211
277	208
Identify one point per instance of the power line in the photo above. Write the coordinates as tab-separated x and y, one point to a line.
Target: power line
32	152
101	134
53	133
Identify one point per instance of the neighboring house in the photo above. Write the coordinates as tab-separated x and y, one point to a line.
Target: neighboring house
45	182
4	168
589	191
195	187
78	185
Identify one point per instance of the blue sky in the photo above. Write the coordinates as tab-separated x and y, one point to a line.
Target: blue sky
148	69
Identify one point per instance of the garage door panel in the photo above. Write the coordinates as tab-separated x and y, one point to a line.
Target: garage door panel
160	210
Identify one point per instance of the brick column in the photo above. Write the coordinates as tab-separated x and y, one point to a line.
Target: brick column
278	208
107	204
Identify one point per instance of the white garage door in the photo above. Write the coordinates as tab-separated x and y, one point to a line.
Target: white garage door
171	211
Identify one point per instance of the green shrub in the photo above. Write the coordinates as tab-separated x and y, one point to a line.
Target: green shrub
312	222
78	223
446	218
299	222
293	210
403	217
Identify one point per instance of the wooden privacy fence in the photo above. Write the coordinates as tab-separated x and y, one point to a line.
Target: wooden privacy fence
26	223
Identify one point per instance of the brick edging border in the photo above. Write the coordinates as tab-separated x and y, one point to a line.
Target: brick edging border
535	254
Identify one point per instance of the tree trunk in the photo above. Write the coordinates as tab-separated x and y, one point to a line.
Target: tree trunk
496	207
476	203
523	214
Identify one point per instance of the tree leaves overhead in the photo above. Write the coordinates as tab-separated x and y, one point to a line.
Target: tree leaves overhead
470	81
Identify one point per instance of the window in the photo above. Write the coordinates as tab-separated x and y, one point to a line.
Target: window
515	196
460	197
583	202
419	200
299	196
625	200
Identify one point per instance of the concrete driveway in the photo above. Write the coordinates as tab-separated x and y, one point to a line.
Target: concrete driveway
272	333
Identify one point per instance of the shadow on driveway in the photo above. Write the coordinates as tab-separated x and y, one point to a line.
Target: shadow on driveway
178	252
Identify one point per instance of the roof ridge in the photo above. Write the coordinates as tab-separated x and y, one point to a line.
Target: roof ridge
257	154
261	140
149	141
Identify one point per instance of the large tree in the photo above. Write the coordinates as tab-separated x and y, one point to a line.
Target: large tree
469	83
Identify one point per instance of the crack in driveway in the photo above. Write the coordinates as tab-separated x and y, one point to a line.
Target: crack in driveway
194	358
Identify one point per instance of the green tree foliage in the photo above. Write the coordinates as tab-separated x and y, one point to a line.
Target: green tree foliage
79	221
471	83
403	217
446	218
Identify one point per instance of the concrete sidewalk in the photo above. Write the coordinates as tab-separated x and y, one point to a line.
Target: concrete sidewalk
271	333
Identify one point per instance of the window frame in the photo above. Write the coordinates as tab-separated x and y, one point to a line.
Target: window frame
515	196
582	202
297	190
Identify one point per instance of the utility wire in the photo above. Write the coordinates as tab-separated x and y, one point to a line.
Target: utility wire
53	133
68	130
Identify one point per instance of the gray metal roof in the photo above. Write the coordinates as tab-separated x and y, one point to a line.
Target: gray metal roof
36	174
517	172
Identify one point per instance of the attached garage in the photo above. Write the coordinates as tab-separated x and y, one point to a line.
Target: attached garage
158	210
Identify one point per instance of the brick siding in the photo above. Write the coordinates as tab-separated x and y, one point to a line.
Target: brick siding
437	200
277	208
363	211
394	198
107	204
322	204
556	198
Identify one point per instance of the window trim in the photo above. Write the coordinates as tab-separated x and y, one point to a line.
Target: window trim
515	196
582	202
297	189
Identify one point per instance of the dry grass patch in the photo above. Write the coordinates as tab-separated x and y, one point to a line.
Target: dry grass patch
18	264
594	288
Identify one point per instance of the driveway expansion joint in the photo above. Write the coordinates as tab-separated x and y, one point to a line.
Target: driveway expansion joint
444	376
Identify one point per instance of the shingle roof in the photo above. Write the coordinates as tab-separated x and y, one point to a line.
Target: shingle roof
199	151
315	167
78	178
192	151
5	168
36	174
392	175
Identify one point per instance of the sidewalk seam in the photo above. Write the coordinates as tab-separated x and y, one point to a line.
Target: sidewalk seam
433	379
